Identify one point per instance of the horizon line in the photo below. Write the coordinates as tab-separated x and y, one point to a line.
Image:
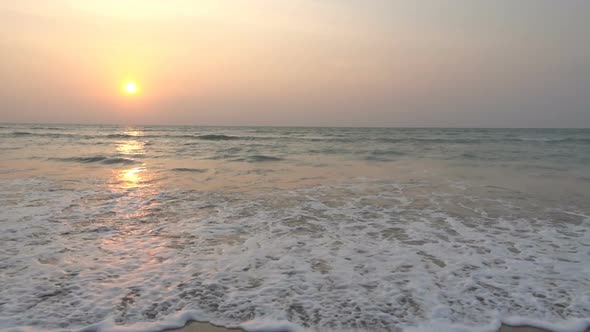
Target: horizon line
277	126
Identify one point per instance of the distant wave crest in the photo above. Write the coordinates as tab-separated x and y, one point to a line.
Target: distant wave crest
191	170
98	159
258	158
217	137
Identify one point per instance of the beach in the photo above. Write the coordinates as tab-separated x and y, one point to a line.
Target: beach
294	166
506	328
202	327
206	327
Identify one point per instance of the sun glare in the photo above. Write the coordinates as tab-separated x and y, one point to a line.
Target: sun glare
131	88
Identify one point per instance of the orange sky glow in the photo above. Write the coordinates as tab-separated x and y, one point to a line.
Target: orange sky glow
302	62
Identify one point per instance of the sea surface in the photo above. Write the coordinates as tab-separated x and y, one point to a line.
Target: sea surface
114	228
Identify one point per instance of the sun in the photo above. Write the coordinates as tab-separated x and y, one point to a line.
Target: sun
131	87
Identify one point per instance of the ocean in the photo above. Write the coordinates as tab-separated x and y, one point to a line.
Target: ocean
317	229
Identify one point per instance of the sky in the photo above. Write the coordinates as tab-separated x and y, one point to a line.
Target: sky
394	63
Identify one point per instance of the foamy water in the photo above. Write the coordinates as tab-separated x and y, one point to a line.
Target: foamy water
139	229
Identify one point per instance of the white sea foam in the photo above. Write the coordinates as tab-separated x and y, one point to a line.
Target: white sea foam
420	230
183	317
359	256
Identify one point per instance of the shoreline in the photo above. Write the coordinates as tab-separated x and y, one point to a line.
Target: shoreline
196	326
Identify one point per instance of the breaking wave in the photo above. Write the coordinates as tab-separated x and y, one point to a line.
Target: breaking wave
193	170
98	159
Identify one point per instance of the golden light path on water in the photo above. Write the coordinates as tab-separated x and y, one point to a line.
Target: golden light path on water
135	252
135	177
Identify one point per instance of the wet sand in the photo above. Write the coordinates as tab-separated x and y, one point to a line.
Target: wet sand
203	327
506	328
206	327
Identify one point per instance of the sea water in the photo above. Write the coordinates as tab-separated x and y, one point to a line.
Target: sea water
141	228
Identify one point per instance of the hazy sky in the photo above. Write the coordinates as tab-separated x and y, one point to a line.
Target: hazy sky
507	63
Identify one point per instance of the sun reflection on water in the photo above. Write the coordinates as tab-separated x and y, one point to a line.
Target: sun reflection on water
131	178
136	177
131	148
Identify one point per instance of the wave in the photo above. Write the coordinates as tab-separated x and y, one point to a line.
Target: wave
48	128
467	155
98	159
449	140
387	153
193	170
383	155
331	139
30	134
483	140
204	137
21	133
432	140
364	255
258	158
378	137
124	136
218	137
569	140
184	317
